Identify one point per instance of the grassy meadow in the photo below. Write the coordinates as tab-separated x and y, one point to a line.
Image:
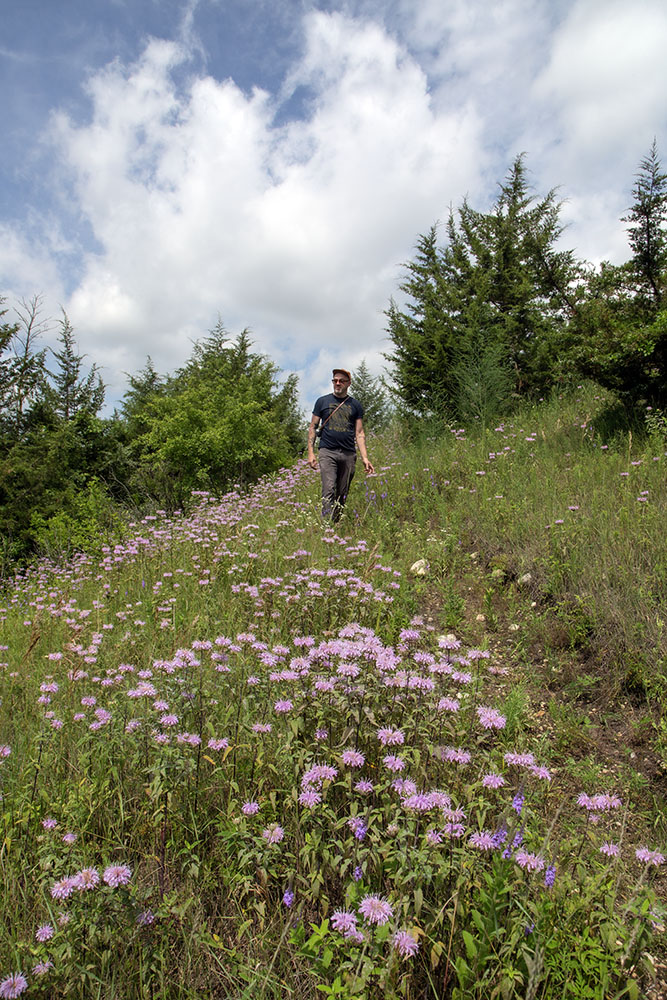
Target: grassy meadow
420	755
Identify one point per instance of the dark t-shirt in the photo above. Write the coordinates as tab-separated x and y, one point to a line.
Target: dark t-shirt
339	430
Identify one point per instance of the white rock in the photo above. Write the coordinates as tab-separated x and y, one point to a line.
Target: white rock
419	568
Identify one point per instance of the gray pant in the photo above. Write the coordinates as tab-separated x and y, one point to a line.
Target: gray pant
336	470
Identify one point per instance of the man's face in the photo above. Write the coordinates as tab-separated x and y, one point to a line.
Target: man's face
340	385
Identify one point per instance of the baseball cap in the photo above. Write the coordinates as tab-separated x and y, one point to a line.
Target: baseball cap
342	371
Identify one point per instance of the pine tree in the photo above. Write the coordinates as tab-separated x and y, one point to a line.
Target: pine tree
370	392
619	332
646	232
499	286
424	333
74	393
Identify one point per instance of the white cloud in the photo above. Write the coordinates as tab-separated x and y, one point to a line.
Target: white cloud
202	204
206	199
605	85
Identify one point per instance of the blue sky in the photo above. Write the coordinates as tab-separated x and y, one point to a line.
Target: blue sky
272	163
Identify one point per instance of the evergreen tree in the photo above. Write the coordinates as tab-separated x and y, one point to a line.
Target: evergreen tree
74	393
424	333
499	282
222	419
370	392
619	331
646	232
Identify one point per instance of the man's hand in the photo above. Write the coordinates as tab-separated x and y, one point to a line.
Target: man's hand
313	463
368	466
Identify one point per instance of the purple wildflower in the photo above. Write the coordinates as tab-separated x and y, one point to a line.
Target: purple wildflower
44	933
86	879
531	862
456	755
218	744
483	841
250	808
611	850
41	968
273	834
63	888
490	718
493	780
519	759
364	786
390	737
405	944
318	774
375	909
516	842
13	986
353	758
344	922
419	802
499	837
550	876
649	857
309	798
116	875
448	705
288	898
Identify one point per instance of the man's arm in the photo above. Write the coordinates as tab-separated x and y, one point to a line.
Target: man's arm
361	443
312	457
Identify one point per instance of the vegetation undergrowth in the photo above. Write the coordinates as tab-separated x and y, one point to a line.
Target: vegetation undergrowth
244	754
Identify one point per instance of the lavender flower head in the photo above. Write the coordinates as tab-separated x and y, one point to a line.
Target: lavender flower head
13	986
117	875
375	910
649	857
344	922
353	758
405	944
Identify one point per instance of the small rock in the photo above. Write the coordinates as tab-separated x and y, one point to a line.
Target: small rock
524	579
514	627
419	568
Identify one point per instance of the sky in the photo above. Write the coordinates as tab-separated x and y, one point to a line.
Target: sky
271	163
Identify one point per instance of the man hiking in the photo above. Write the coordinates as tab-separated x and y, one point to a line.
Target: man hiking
340	431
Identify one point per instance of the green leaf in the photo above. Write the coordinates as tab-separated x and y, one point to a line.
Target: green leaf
471	947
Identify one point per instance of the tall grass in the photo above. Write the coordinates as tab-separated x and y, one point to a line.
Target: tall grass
247	755
548	494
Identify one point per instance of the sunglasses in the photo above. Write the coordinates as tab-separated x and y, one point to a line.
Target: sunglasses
343	380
